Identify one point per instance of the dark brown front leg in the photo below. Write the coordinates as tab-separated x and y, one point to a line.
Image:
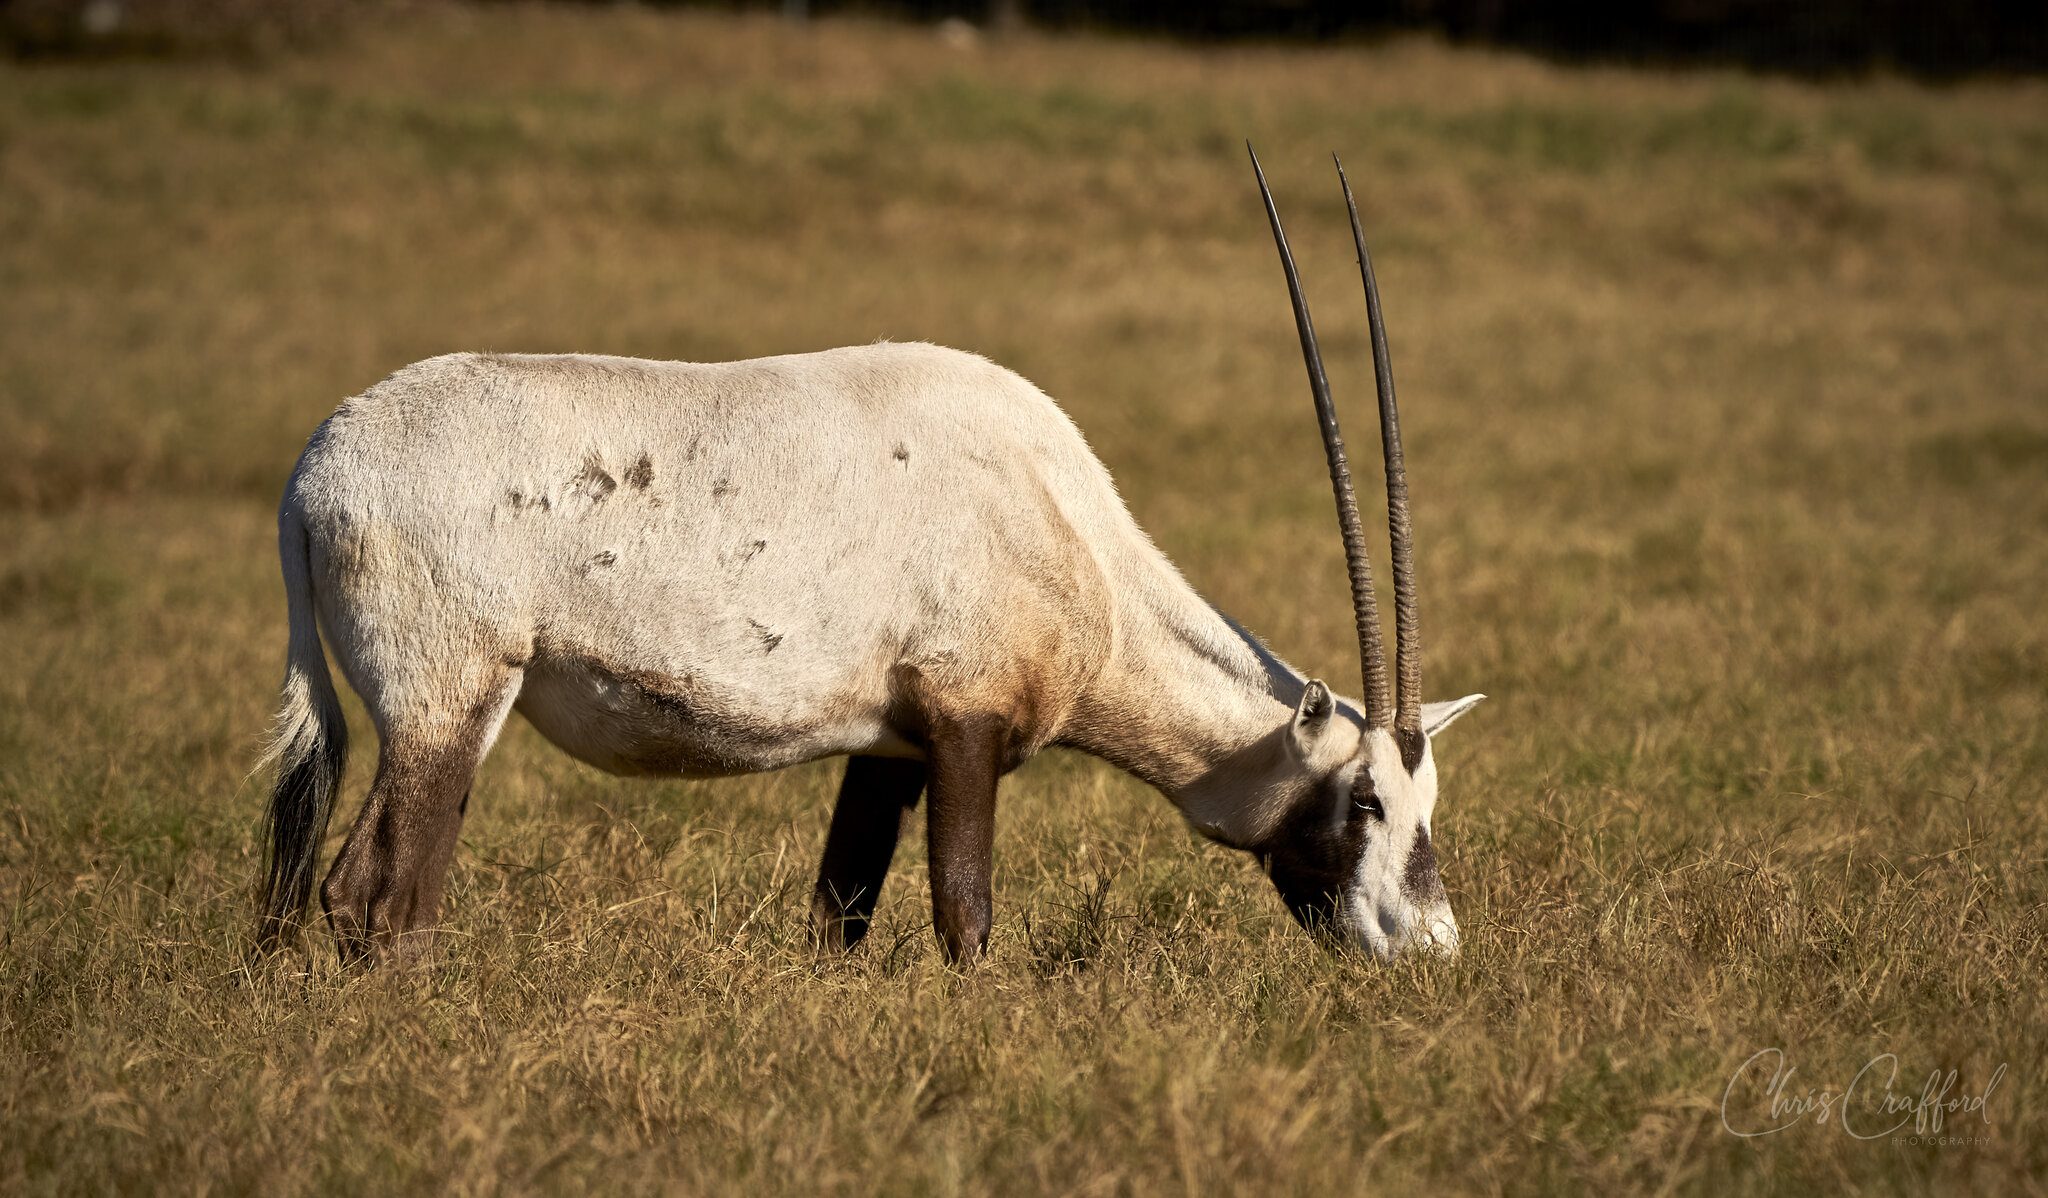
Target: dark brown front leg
960	825
874	796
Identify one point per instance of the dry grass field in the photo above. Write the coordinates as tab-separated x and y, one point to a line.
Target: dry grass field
1727	404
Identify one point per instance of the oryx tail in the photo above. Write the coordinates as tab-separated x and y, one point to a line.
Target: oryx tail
308	746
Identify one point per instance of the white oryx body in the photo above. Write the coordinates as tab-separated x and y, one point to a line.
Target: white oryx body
892	551
776	547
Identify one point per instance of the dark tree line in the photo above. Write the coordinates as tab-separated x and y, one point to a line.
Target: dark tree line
1928	37
1924	37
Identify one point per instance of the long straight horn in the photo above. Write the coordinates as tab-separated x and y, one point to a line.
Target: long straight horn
1400	529
1364	607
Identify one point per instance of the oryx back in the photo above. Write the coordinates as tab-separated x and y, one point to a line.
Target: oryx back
710	568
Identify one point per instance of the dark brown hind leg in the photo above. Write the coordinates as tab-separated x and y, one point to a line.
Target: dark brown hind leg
384	891
960	828
874	796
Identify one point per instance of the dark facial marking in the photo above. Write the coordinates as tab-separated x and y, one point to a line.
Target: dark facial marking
1420	880
641	476
1311	858
1365	799
1412	742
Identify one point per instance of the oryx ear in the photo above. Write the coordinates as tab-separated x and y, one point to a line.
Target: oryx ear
1316	706
1311	717
1438	716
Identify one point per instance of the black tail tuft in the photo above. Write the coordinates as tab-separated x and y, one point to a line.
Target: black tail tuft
308	775
309	747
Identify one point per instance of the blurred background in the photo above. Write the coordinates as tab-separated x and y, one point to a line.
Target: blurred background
1808	36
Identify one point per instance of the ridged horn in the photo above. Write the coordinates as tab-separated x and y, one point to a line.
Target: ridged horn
1364	606
1400	528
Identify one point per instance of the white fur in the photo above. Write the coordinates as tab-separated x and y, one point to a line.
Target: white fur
721	568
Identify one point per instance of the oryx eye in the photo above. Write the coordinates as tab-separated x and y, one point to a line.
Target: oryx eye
1368	803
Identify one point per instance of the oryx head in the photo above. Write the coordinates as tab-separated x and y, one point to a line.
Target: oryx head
1354	855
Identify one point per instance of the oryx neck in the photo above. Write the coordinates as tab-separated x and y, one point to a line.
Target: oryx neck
1186	689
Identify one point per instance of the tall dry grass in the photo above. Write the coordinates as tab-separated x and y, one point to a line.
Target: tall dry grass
1725	408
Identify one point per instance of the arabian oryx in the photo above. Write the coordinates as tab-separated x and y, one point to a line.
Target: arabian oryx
900	554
